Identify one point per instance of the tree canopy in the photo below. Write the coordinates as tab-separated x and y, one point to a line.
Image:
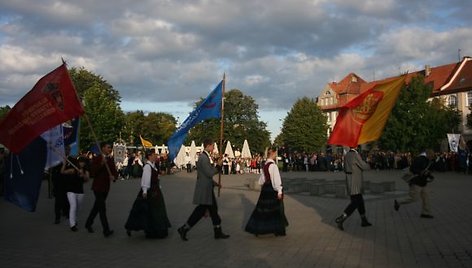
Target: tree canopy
154	127
4	110
241	121
102	107
304	128
416	123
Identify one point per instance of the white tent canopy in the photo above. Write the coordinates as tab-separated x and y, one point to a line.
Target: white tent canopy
246	153
193	153
215	149
229	150
180	158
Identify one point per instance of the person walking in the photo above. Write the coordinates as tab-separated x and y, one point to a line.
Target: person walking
204	196
269	216
149	210
418	184
354	167
75	176
103	171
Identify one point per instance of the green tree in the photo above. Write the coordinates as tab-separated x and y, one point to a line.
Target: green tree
304	128
241	121
4	110
415	122
102	107
155	127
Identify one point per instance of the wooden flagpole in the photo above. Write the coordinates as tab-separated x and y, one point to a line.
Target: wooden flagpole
221	129
98	145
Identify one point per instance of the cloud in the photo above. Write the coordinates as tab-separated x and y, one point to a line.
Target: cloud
177	51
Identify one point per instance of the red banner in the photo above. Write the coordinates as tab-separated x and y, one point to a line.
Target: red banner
53	100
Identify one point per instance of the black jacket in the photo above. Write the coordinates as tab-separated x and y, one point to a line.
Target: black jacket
420	167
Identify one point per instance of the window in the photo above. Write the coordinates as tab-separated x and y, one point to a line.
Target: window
469	98
452	101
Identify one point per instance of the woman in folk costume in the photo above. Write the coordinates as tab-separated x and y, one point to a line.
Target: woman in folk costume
268	216
149	210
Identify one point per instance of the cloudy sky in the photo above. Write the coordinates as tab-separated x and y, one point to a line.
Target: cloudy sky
163	55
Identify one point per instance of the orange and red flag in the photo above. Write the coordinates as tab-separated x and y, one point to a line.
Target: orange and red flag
363	118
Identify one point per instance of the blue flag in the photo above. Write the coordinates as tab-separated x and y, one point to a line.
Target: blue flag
24	173
209	108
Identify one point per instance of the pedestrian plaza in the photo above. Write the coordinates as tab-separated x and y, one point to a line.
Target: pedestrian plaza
396	239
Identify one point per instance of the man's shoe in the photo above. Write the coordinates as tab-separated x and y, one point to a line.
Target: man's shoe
74	228
365	223
339	221
426	216
183	233
89	229
108	233
396	205
219	233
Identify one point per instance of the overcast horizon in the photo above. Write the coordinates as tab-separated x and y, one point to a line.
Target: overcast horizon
162	56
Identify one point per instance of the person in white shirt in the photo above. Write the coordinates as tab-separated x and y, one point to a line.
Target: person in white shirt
269	217
149	210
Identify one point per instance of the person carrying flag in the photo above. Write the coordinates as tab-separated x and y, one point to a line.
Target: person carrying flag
204	196
354	167
102	171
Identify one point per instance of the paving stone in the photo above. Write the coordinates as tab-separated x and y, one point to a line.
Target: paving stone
396	239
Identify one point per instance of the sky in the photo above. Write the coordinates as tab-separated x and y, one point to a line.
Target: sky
163	55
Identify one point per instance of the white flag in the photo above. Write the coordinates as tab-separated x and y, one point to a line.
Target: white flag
55	145
453	141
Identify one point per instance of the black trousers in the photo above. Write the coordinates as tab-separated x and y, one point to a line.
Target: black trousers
99	207
200	210
357	202
189	168
61	204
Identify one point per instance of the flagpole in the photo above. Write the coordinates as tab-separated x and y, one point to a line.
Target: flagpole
98	145
221	129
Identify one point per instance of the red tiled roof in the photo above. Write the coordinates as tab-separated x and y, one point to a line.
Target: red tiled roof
438	77
347	85
462	81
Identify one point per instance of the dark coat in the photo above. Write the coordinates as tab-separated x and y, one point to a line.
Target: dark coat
420	167
101	177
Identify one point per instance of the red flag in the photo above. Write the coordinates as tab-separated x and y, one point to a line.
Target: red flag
363	119
53	100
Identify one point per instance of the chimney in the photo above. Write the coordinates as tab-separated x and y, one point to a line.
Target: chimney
427	70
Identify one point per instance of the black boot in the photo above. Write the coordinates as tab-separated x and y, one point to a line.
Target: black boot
339	221
396	205
365	222
219	233
183	232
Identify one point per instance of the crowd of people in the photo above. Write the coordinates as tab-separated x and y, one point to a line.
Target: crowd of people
379	160
148	212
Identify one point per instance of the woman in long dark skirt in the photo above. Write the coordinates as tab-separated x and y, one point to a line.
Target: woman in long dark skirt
149	210
269	217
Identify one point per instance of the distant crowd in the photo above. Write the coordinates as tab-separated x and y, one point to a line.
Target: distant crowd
378	160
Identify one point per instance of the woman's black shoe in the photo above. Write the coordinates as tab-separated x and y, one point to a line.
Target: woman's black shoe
108	233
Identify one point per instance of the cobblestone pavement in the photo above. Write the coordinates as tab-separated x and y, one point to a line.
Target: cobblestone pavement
396	239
